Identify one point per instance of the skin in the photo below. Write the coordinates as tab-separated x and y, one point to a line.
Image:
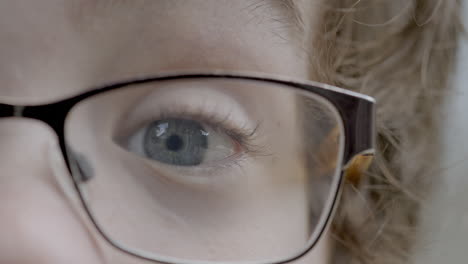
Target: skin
53	49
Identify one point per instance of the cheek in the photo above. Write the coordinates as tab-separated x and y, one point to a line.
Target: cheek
255	214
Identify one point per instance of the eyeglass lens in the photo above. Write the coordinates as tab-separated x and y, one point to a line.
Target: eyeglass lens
207	169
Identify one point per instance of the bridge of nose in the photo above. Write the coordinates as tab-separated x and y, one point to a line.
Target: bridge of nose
39	223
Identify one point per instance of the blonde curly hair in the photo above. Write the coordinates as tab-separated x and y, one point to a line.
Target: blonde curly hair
402	53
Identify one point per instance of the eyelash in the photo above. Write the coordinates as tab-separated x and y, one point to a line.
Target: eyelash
242	135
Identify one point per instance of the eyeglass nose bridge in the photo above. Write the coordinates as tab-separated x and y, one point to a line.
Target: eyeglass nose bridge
7	110
53	115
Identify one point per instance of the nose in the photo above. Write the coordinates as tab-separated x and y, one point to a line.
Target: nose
39	221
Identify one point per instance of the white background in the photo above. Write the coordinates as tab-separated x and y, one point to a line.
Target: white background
445	228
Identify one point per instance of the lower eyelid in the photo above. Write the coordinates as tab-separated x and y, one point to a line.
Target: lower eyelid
230	170
240	152
240	141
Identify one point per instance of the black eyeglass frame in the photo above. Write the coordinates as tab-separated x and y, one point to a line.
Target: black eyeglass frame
357	112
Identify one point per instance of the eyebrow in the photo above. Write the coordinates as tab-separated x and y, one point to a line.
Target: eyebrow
291	10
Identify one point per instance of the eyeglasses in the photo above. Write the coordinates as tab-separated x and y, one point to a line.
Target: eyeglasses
210	168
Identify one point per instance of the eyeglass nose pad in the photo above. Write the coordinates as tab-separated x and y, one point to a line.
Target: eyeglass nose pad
357	167
84	171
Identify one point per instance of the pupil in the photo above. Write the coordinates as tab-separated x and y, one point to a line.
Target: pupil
174	143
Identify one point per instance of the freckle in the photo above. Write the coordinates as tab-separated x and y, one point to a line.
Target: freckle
278	124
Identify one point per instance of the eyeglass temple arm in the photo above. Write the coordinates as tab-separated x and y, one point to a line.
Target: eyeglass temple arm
362	135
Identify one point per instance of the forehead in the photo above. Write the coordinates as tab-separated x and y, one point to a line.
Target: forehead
63	46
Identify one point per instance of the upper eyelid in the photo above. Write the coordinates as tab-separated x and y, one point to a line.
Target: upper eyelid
188	101
221	111
244	136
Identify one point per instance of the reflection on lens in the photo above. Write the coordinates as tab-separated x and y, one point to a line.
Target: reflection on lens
209	169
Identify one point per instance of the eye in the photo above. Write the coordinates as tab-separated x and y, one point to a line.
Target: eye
182	142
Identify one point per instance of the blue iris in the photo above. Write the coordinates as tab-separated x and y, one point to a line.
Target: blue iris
179	142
